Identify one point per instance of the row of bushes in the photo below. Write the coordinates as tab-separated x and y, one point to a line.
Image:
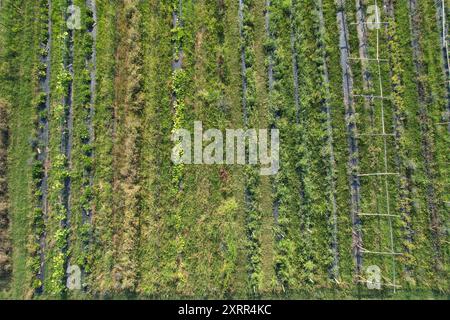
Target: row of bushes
41	153
5	243
59	174
82	152
252	205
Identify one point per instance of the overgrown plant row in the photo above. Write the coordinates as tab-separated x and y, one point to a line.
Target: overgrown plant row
5	247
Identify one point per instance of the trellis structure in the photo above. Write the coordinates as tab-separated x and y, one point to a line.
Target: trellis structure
352	105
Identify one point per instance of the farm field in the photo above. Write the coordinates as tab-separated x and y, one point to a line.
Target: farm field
353	94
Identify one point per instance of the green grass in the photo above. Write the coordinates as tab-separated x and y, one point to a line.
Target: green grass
20	90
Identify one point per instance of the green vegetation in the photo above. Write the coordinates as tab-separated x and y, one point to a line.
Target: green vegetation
5	243
86	177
